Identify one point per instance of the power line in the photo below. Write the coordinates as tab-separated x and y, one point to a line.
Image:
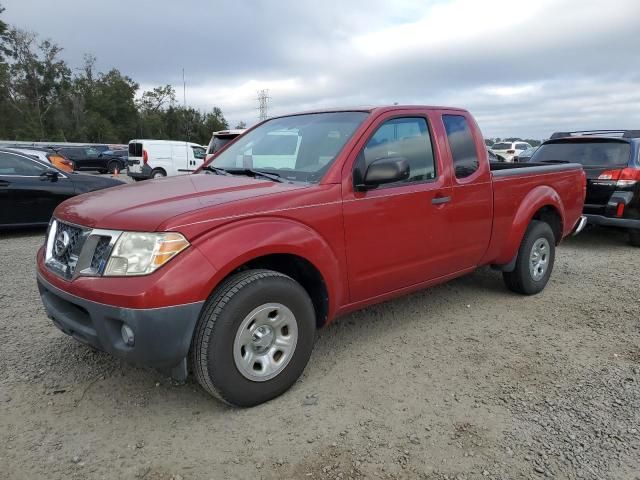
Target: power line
263	104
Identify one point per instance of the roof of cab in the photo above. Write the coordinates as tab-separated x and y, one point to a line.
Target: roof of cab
372	109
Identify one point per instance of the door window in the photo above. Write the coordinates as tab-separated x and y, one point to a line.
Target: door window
462	145
91	152
401	137
199	153
16	165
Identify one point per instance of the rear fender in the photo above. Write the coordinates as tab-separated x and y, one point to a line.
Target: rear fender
540	197
233	245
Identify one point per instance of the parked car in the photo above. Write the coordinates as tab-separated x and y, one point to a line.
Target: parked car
509	149
86	157
31	188
161	158
220	139
115	160
237	265
48	155
525	155
611	161
493	157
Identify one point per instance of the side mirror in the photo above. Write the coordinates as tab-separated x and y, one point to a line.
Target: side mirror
50	175
385	170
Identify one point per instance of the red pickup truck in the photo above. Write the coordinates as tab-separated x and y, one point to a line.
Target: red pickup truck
301	219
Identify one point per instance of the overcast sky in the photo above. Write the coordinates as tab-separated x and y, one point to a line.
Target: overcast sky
523	68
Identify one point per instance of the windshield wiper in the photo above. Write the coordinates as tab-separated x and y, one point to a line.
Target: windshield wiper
216	170
555	161
256	173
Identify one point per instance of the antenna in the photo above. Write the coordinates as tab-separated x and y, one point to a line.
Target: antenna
263	104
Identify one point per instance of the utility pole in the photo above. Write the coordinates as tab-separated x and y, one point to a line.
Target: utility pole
263	104
184	100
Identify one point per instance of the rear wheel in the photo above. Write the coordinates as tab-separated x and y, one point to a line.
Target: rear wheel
158	173
113	166
634	238
535	260
254	337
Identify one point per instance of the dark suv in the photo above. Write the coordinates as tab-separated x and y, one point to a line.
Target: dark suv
610	159
87	157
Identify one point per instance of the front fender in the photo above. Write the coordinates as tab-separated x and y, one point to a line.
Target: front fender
233	245
539	197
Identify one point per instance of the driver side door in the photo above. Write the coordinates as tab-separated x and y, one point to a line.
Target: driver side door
397	235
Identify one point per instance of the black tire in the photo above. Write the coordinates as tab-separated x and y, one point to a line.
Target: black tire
212	355
521	280
112	166
634	238
158	173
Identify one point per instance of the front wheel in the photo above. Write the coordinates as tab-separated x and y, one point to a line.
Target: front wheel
254	337
535	260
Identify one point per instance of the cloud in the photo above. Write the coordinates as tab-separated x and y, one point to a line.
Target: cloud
523	68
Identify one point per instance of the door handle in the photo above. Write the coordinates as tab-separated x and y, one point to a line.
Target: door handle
440	200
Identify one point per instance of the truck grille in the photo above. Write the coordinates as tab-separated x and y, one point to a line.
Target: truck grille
101	254
72	250
67	245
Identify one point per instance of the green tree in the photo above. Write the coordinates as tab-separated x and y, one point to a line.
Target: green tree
37	82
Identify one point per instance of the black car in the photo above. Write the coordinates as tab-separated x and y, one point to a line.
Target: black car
88	157
610	159
30	189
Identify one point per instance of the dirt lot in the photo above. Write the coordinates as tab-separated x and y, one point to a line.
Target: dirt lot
462	381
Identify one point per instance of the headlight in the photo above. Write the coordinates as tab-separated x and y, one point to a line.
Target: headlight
142	253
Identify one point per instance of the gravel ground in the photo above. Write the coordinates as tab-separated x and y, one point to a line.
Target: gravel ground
462	381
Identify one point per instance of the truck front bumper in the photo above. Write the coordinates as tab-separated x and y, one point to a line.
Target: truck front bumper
612	221
161	336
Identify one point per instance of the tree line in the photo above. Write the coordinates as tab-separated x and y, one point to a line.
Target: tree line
43	100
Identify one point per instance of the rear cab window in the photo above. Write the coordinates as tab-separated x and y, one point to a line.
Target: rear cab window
462	145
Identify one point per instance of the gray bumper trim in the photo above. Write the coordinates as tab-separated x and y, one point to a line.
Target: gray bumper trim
612	221
162	335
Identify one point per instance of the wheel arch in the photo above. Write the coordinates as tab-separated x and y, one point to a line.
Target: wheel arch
283	246
542	203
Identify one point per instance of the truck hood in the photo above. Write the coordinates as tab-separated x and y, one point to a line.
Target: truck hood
144	206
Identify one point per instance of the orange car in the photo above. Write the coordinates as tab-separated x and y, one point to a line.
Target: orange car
56	159
60	161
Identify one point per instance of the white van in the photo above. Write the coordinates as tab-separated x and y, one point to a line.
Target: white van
161	158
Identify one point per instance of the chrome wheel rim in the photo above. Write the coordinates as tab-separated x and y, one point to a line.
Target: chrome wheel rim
539	258
265	342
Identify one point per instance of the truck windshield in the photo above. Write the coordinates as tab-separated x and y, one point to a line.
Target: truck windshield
590	152
297	148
